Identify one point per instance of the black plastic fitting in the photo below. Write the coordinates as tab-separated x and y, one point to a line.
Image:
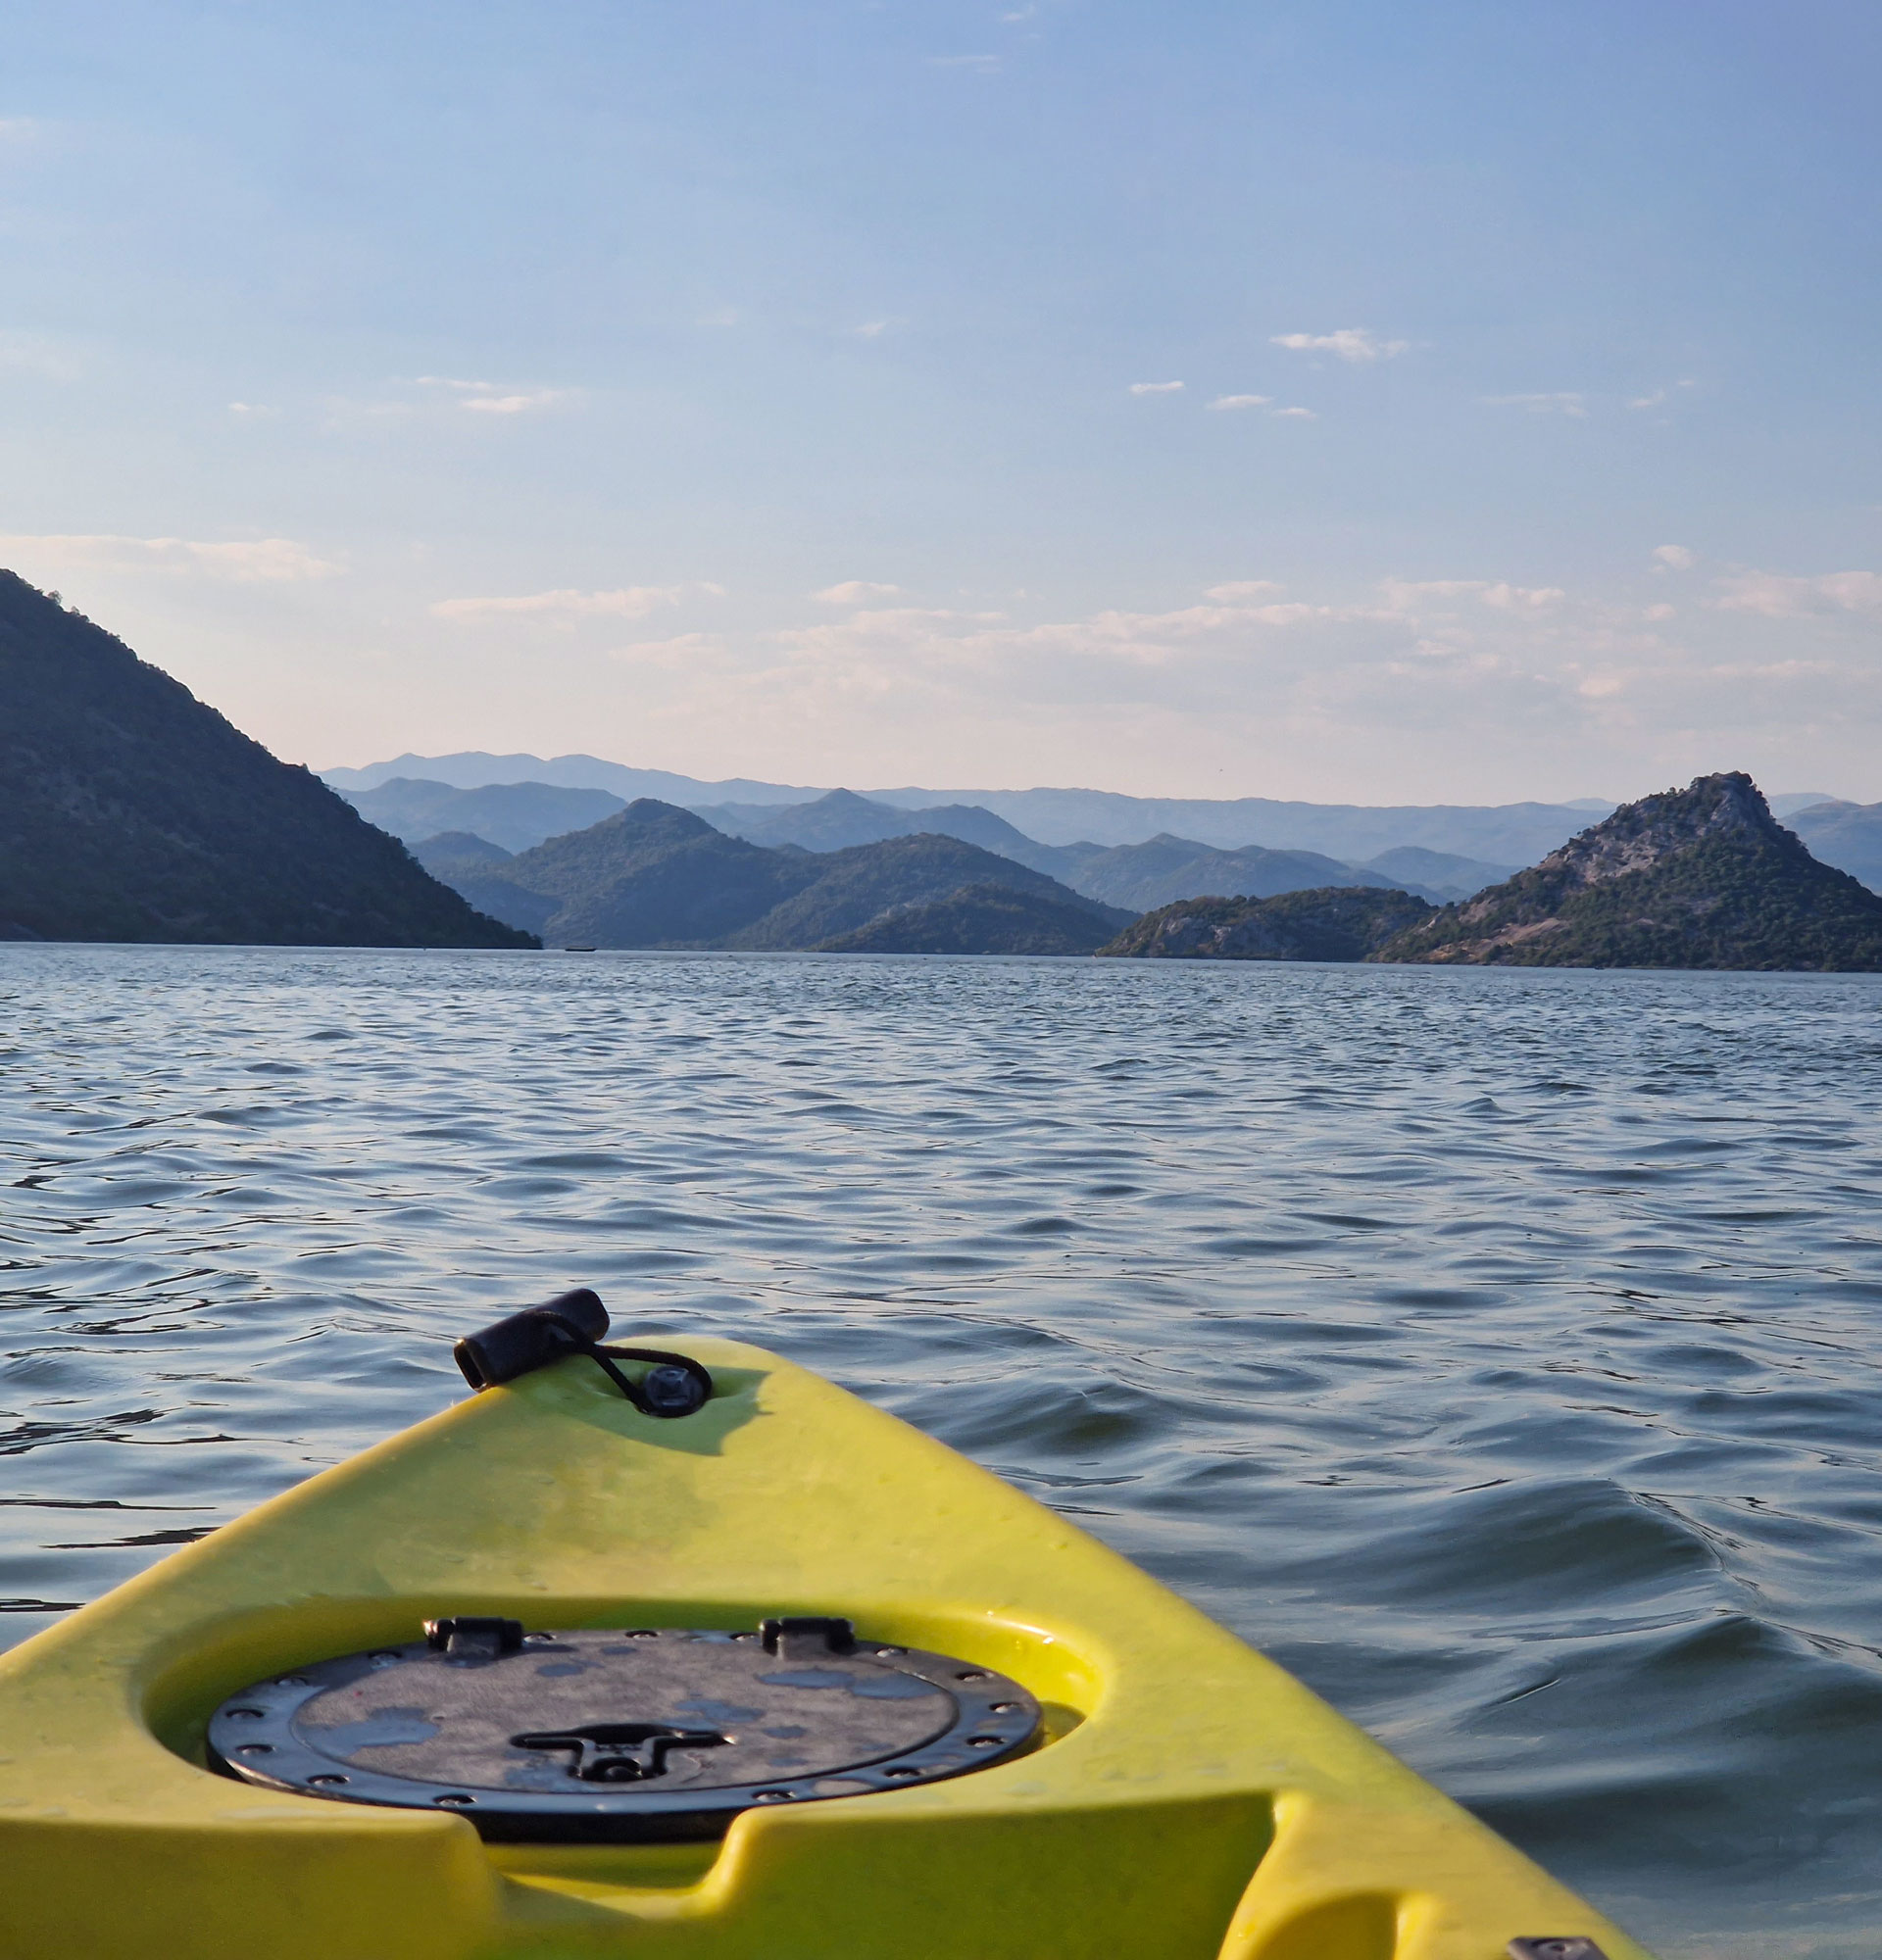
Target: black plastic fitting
520	1343
573	1323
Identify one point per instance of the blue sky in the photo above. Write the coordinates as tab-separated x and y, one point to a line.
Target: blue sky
790	390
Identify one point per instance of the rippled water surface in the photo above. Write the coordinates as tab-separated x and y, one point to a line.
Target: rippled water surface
1502	1351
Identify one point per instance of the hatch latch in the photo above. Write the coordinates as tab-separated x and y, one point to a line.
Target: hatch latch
805	1639
468	1638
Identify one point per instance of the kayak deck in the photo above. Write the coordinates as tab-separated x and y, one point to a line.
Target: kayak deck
1190	1800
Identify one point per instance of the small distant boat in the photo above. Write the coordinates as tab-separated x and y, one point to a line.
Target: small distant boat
577	949
694	1657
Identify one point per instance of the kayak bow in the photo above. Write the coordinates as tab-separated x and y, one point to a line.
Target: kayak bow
1158	1790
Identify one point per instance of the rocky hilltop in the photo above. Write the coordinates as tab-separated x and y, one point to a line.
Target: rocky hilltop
1698	878
1338	923
129	810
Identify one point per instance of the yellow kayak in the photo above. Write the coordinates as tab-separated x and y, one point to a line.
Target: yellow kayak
698	1658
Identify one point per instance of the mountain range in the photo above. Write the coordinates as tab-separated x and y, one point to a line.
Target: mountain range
654	875
1440	852
1500	834
1134	877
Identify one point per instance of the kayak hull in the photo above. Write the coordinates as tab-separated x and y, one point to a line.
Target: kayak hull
1190	1801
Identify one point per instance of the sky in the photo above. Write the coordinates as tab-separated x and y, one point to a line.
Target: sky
1345	401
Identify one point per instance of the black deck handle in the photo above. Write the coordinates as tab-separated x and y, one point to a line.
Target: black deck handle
573	1323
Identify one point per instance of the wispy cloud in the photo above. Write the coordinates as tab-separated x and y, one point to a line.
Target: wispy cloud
240	562
1659	395
487	398
1559	402
873	329
1245	592
1156	387
1349	343
1241	401
251	412
1674	558
718	317
1778	597
1296	415
855	592
972	64
565	604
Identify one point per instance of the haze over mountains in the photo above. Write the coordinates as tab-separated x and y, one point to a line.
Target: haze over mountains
1154	868
1500	834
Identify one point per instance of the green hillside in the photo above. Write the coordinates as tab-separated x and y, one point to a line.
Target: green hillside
979	918
1336	922
129	810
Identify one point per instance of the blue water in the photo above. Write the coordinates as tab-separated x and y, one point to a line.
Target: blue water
1500	1350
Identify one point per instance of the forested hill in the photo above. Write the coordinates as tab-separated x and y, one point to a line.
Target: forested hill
1698	878
129	810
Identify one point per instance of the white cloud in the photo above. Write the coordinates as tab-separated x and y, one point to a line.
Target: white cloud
1776	596
1241	401
486	398
566	604
1561	402
973	64
720	316
1661	612
1156	387
1244	591
243	562
17	130
873	329
251	412
1516	598
511	404
1349	343
1674	558
1296	415
854	591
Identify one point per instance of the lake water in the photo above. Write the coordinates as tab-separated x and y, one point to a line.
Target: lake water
1502	1351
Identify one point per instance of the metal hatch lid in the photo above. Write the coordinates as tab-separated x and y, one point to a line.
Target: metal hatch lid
619	1735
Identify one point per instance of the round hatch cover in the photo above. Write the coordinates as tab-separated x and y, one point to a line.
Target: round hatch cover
618	1734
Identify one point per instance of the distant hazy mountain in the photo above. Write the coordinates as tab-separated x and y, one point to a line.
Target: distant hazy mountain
1700	877
1497	834
1351	834
513	814
1438	873
1848	835
129	810
1500	834
654	875
1136	876
979	918
1141	876
471	769
1334	924
842	819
